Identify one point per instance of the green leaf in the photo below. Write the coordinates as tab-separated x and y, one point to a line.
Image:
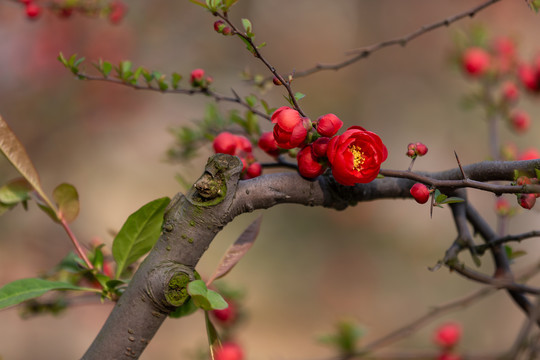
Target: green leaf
63	60
67	200
248	46
175	79
216	300
204	298
200	3
251	100
138	234
106	68
25	289
260	46
537	172
15	191
299	96
136	75
247	27
186	309
213	338
452	200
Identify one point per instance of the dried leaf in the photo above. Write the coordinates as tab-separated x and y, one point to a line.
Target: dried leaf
15	152
237	250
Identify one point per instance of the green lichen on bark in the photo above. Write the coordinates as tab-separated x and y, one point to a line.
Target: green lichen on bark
176	293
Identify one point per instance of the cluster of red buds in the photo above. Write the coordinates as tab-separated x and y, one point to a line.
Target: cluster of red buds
227	319
446	337
354	157
197	79
238	145
526	201
221	27
416	149
115	11
498	64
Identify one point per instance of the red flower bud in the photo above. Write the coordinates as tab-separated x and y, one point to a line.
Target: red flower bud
243	145
356	156
523	180
225	143
447	335
421	149
229	351
226	316
502	207
253	170
529	76
291	129
520	121
196	77
117	11
328	125
527	201
219	25
276	81
268	144
320	146
32	10
510	92
308	166
475	61
226	31
420	193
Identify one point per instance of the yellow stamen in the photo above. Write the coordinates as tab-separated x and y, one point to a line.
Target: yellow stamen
359	157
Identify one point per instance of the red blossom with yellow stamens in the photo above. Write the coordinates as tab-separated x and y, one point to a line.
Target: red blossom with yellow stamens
356	156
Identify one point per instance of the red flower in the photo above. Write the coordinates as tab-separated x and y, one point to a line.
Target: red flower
229	351
291	129
225	143
475	61
447	335
356	156
502	207
420	193
328	125
449	356
308	166
268	144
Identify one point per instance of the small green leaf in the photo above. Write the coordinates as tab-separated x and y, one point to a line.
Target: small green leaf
63	60
175	79
106	68
248	46
67	200
138	234
247	27
25	289
251	100
537	172
299	96
260	46
452	200
216	300
15	191
200	3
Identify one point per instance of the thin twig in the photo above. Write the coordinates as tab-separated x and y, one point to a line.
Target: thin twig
506	239
404	40
217	97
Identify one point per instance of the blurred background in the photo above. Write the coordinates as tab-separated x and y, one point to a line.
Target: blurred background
310	267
